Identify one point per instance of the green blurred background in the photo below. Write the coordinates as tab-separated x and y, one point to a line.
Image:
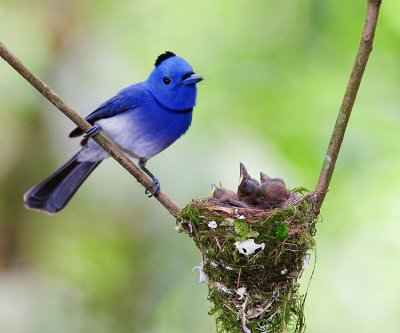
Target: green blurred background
275	73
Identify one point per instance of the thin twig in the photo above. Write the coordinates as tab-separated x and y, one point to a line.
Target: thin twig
244	319
238	280
108	146
218	244
357	72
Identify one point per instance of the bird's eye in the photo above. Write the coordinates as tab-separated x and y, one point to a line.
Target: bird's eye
166	80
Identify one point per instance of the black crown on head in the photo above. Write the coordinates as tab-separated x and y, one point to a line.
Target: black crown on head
164	56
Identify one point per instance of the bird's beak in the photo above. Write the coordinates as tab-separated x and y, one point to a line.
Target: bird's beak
243	173
192	79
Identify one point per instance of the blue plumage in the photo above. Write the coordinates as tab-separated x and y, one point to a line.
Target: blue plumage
142	119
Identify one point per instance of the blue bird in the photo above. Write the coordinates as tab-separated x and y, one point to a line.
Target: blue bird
142	119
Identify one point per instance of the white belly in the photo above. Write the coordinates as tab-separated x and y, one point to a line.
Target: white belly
122	131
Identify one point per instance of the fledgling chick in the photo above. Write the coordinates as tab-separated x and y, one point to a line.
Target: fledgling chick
274	191
249	188
264	177
226	196
223	194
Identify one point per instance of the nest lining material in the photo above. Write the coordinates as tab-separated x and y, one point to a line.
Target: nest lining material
251	260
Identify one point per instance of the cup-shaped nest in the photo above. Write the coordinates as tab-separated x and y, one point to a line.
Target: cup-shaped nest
251	260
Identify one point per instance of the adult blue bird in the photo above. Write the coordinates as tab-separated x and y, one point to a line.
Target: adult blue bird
142	119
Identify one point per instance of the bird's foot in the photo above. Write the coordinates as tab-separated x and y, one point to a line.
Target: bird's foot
154	189
95	129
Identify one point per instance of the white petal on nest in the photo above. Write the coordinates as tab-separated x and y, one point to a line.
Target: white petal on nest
248	246
241	292
212	224
202	275
306	261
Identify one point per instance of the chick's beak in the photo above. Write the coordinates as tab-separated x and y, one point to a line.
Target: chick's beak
192	79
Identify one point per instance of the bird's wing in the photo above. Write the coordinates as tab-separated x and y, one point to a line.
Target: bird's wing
124	101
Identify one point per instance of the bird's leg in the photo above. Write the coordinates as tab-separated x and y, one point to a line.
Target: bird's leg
92	131
156	184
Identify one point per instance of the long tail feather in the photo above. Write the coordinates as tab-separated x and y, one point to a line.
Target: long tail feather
53	193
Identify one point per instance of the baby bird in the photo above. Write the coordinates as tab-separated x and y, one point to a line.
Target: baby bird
227	196
223	194
249	189
273	190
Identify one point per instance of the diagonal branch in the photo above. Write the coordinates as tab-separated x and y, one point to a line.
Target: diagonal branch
357	72
108	146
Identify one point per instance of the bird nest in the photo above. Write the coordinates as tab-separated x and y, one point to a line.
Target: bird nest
252	260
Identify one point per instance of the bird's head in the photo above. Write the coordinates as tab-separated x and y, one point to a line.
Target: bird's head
248	189
173	82
264	177
216	191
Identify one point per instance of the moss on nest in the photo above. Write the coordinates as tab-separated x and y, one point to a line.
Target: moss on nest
252	260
